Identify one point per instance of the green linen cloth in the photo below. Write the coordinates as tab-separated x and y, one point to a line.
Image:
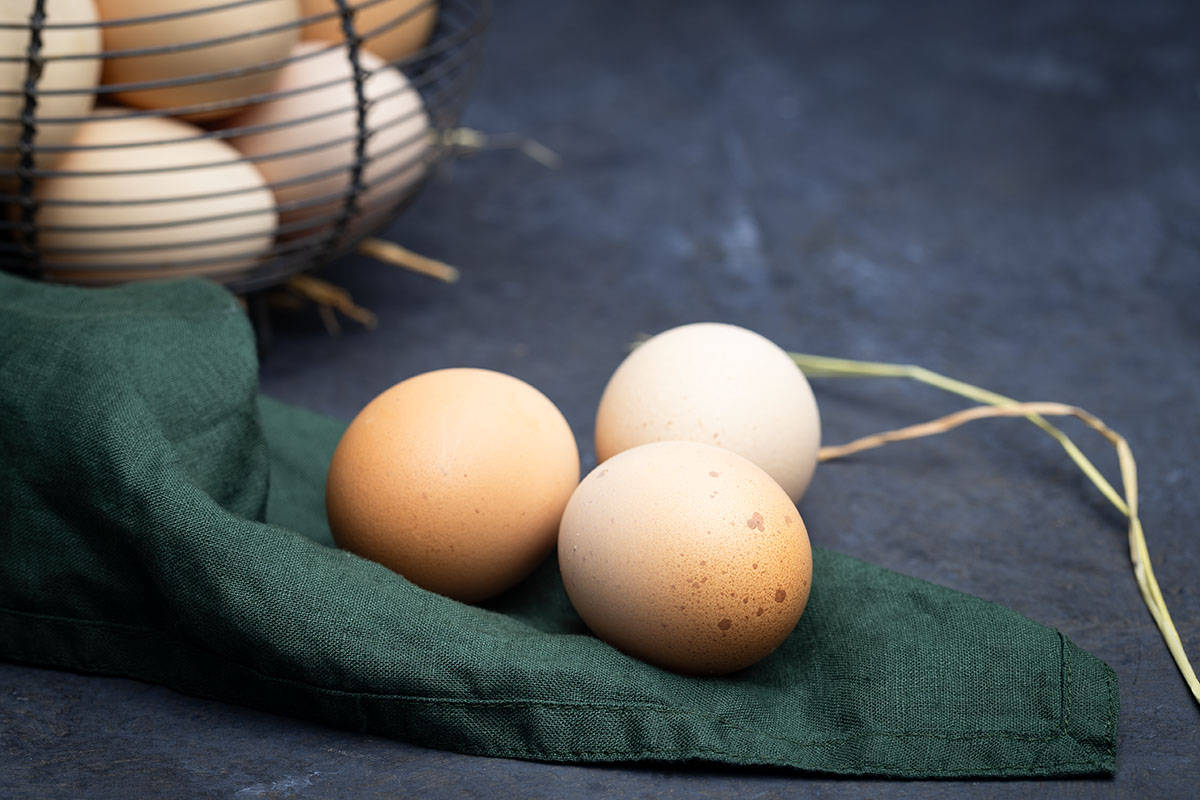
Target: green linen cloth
164	522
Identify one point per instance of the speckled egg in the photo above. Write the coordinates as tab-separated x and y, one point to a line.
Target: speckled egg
717	384
687	556
456	479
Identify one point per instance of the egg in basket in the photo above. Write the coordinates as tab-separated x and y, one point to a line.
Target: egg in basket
244	140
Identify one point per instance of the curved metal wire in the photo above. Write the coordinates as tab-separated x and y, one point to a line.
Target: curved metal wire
309	177
197	44
165	17
312	230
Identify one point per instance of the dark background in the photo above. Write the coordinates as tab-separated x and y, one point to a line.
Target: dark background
1005	192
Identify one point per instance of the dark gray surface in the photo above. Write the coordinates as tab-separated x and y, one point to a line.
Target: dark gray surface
1008	193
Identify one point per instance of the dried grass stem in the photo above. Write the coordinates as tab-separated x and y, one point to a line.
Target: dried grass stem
997	405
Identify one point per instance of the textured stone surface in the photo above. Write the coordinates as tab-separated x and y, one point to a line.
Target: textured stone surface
1006	192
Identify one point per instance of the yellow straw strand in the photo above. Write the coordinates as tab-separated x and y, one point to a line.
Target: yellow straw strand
1000	406
327	296
394	255
824	367
469	140
942	425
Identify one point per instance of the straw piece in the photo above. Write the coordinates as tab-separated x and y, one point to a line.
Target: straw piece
329	320
540	153
397	256
824	367
1000	406
329	298
469	140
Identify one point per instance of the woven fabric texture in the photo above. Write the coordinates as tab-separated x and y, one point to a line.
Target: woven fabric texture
164	522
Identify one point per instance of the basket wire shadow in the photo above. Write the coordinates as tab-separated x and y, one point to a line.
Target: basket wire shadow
441	72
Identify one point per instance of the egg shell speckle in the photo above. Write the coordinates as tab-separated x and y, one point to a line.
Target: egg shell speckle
716	384
456	479
687	556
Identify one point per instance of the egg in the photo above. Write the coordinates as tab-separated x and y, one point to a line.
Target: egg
687	556
456	479
258	34
304	143
151	191
62	72
717	384
392	29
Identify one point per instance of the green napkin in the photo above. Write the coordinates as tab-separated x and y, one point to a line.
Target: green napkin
164	522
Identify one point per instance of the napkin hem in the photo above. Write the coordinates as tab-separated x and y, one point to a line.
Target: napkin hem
126	665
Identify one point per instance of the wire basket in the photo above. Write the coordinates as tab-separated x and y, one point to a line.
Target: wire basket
314	213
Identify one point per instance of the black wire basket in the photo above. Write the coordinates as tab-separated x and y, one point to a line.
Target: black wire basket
317	148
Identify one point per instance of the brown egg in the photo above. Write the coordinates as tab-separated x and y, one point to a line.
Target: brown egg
718	384
391	29
75	78
152	192
687	556
305	147
258	33
456	479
